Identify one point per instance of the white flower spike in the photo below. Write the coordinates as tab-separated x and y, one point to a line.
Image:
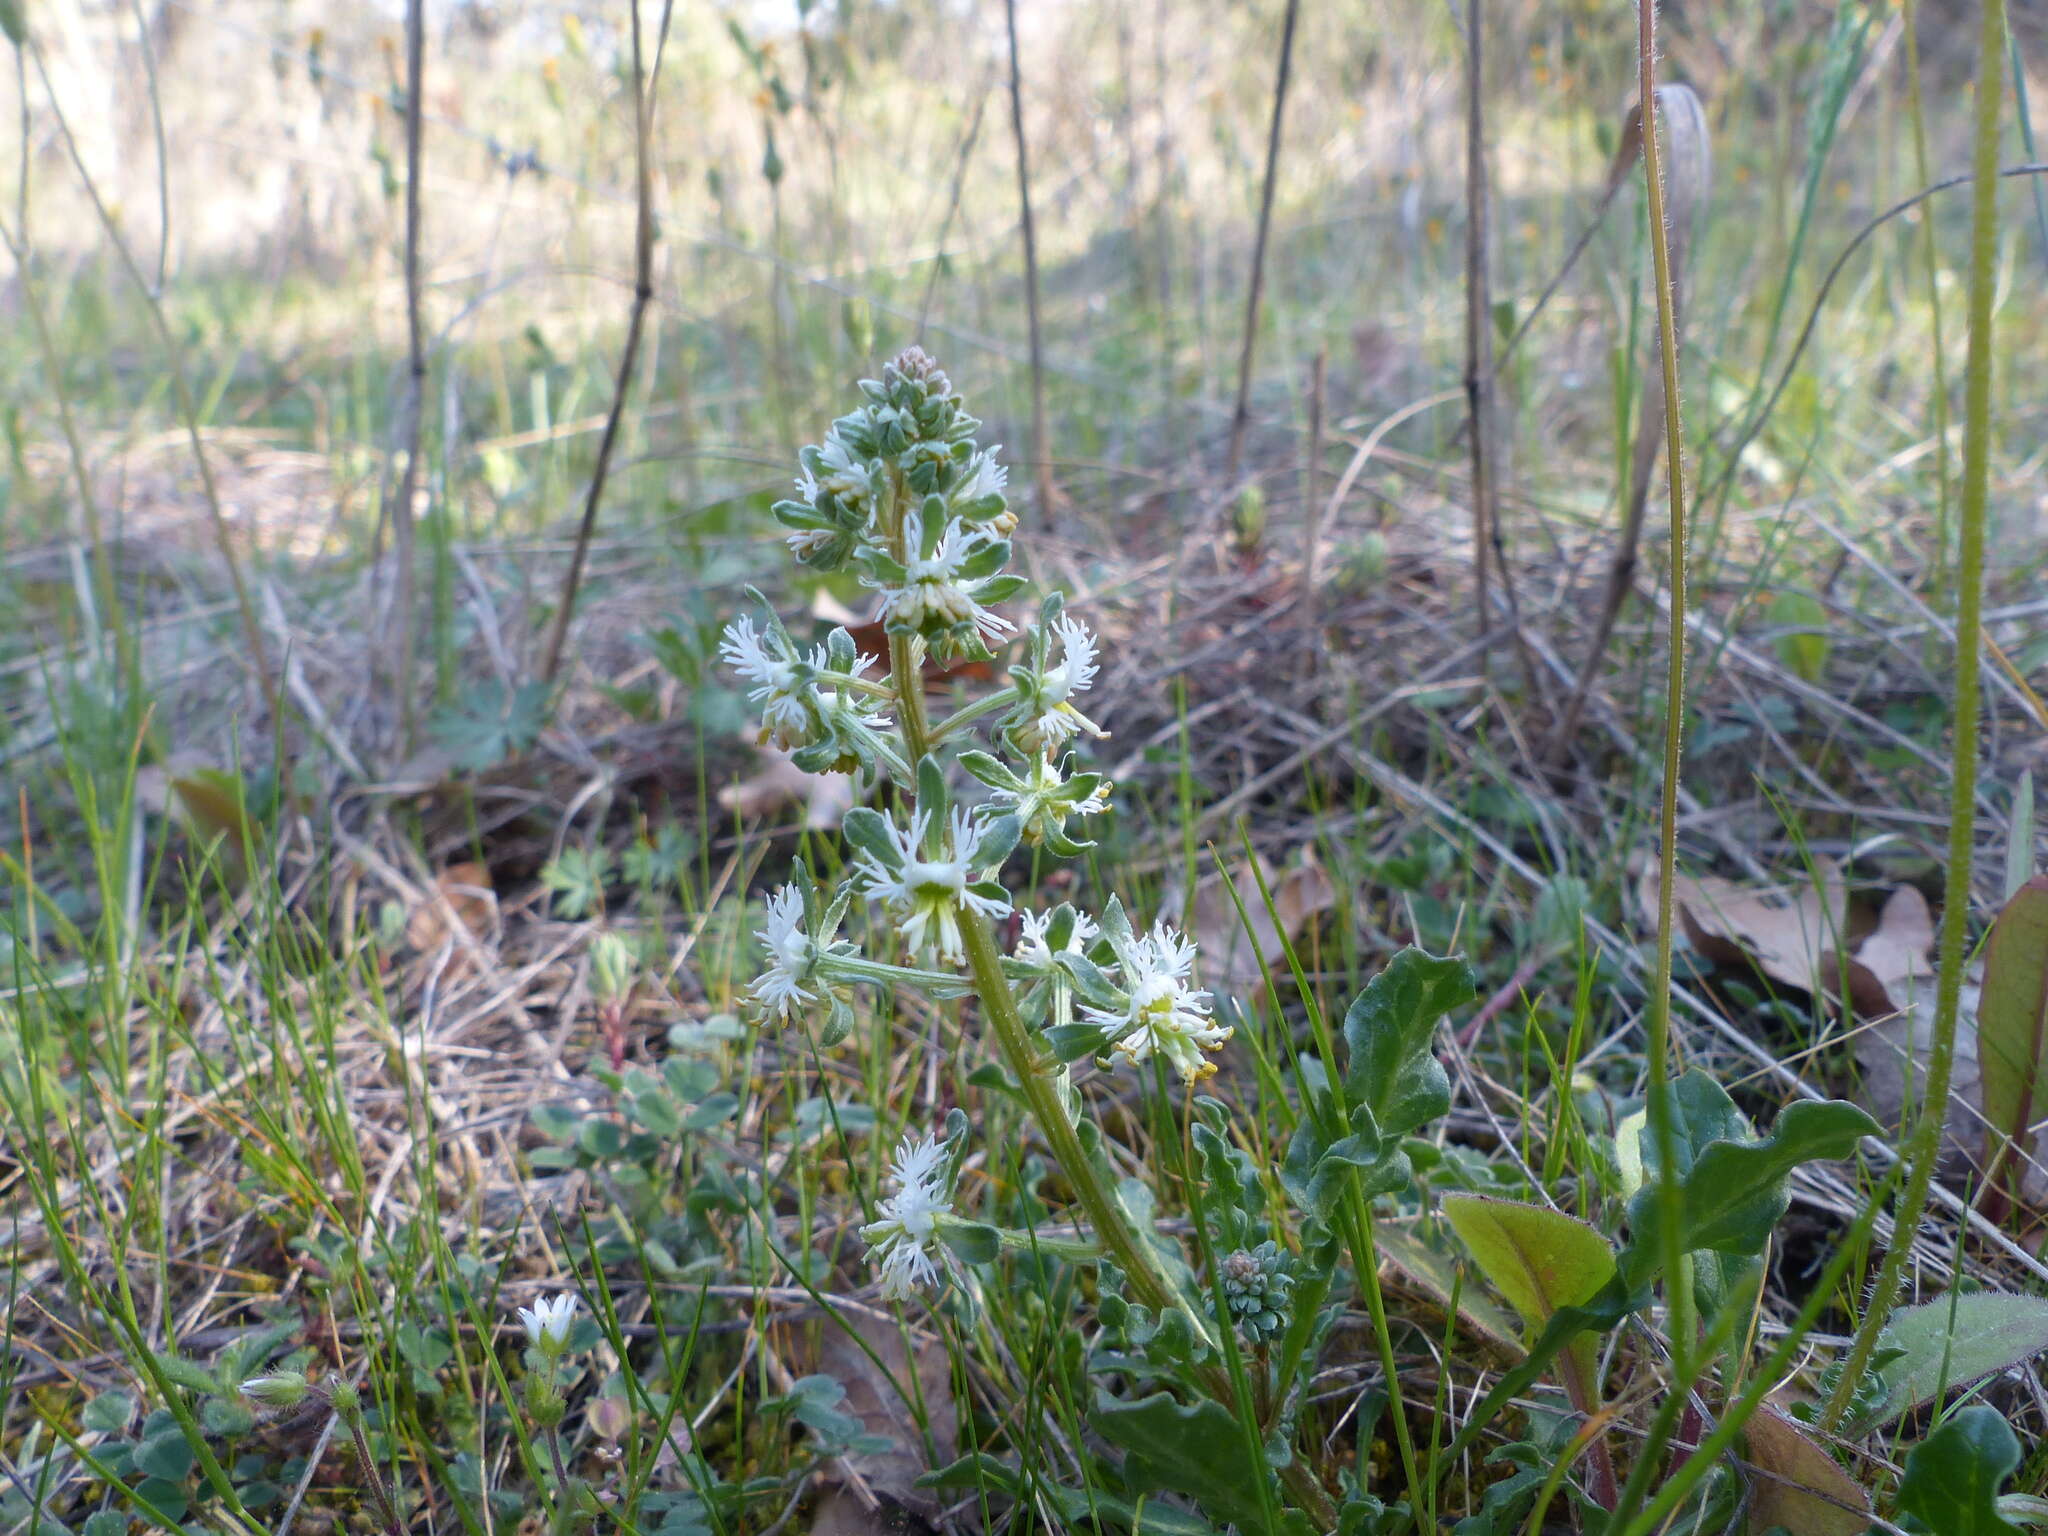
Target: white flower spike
1162	1012
548	1322
902	1241
925	895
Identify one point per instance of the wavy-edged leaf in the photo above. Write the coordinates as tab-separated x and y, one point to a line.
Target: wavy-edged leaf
1391	1031
1734	1193
1952	1478
1541	1260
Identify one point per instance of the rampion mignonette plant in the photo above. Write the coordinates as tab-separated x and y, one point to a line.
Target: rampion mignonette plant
901	493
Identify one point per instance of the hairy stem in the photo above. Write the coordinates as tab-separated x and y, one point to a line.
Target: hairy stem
1924	1148
1677	1292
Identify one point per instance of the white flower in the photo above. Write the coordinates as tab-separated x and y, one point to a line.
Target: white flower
548	1322
791	702
902	1240
778	690
1053	717
931	587
1162	1011
845	475
780	987
989	477
1032	947
925	894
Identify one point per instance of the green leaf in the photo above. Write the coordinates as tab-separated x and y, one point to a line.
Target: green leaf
974	1241
867	829
166	1498
189	1374
977	1469
166	1456
426	1348
1954	1342
1952	1477
2012	1016
2019	846
1734	1194
13	22
1391	1030
109	1413
107	1522
225	1416
1541	1260
1197	1449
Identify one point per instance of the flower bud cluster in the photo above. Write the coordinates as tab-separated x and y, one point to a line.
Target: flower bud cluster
1257	1284
899	492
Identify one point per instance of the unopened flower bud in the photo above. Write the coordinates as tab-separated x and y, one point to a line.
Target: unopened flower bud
284	1389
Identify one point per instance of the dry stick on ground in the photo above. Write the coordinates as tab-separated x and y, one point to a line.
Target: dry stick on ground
1241	417
643	293
1687	178
1041	449
415	370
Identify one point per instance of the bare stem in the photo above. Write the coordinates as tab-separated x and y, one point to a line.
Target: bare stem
643	292
1478	314
415	369
1924	1148
1677	1292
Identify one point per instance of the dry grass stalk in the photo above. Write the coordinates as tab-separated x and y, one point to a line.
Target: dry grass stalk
1041	448
1240	417
1689	173
643	294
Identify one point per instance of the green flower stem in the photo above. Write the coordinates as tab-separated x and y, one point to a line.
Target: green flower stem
1035	1074
1113	1230
352	1416
562	1505
1365	1259
1076	1249
1002	698
1924	1148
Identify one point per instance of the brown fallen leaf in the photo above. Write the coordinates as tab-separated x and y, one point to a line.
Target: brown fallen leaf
1797	1485
1232	950
1783	930
859	1365
467	891
1891	1056
777	781
1893	958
